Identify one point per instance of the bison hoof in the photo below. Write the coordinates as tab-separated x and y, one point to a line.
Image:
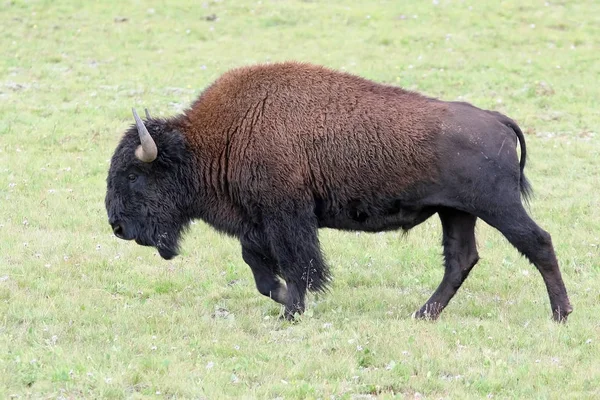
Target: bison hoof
560	314
289	317
293	313
429	312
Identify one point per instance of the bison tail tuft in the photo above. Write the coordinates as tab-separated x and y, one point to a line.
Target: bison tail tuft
525	186
526	189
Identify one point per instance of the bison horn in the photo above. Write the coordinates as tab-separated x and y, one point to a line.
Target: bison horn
147	150
147	114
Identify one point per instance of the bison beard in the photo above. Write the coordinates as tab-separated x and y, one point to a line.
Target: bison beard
271	153
166	242
163	236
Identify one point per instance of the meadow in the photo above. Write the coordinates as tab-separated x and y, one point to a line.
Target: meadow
86	315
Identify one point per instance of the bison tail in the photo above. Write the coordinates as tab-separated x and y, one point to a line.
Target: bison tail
525	186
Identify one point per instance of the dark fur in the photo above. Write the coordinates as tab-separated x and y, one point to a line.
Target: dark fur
271	153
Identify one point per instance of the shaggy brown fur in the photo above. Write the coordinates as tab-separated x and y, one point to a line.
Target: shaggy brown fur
315	128
271	153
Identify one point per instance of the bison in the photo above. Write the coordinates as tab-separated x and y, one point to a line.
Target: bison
269	154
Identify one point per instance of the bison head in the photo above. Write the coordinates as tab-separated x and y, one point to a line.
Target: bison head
150	185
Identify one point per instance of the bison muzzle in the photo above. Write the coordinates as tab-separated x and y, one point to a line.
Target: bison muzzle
271	153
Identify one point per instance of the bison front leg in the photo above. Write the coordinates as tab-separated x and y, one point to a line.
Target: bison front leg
295	245
460	256
256	253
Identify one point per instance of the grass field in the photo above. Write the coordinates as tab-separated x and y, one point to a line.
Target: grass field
85	315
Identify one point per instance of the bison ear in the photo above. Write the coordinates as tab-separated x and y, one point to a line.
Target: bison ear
146	151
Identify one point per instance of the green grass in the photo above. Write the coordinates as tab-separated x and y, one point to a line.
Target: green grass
84	315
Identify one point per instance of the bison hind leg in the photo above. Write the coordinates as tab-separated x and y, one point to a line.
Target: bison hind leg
460	256
535	244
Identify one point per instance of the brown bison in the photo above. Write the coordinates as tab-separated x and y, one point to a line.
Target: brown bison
271	153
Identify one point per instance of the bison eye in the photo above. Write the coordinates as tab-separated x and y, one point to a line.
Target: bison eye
132	177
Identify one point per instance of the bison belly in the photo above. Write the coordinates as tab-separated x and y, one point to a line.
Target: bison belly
371	215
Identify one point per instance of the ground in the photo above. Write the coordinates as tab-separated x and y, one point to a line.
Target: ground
85	315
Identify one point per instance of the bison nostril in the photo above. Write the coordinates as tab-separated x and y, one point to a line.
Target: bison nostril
118	230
